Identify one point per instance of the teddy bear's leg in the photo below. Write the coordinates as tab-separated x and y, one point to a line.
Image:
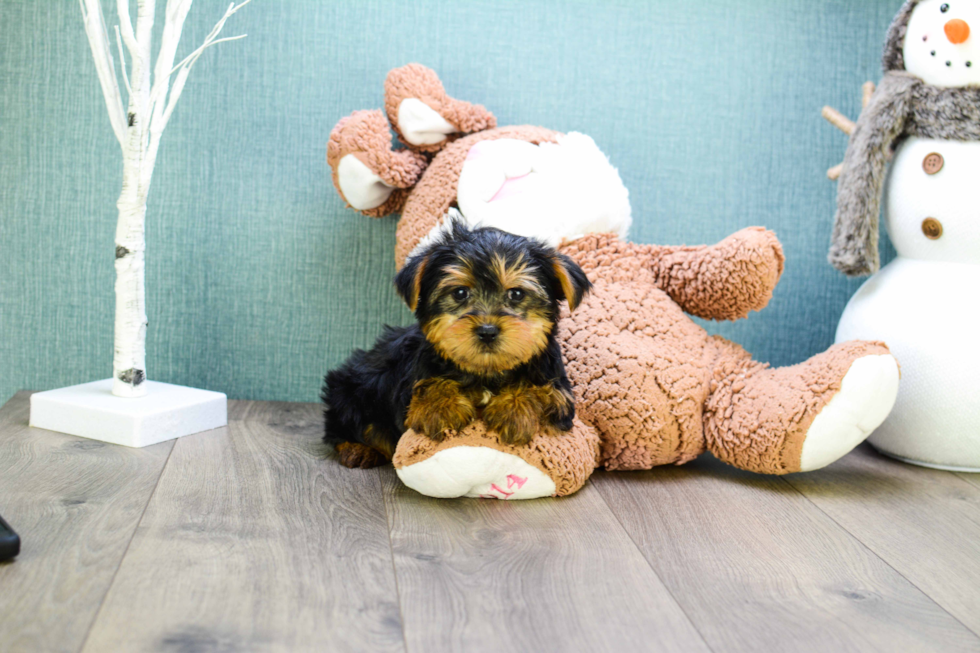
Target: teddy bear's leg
475	463
423	115
798	418
370	176
639	369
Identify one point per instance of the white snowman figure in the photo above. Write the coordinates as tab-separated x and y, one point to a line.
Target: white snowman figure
926	303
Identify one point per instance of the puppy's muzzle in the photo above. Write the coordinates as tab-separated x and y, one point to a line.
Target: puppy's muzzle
487	333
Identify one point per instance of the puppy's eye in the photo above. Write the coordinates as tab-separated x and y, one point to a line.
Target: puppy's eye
515	295
944	8
461	294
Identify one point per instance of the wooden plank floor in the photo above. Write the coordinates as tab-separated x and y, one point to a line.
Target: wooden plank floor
253	538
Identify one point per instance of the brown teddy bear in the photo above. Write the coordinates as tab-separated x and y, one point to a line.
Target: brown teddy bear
652	387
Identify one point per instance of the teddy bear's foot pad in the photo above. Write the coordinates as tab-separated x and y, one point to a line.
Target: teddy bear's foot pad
475	463
476	472
866	397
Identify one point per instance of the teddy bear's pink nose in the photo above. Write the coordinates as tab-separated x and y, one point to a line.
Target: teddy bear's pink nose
957	31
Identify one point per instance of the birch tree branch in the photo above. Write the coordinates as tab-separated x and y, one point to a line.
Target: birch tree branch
122	62
138	128
194	56
176	14
163	106
126	25
105	67
185	69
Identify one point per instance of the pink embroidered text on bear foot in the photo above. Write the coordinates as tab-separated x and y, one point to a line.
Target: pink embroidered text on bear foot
512	480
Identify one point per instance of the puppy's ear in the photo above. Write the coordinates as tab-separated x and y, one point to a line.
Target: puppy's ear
408	281
572	281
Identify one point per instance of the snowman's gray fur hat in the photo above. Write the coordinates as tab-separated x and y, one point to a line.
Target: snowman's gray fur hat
903	105
893	59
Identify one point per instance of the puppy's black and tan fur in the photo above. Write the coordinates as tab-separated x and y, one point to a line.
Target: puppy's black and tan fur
484	348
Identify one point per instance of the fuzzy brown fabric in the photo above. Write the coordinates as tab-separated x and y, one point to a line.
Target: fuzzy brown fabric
365	134
754	411
724	282
567	458
436	191
903	105
659	389
417	81
653	384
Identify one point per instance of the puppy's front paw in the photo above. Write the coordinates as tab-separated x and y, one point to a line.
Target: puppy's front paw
514	414
438	406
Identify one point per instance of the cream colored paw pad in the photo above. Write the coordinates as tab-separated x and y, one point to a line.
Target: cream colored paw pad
362	189
476	472
867	394
422	125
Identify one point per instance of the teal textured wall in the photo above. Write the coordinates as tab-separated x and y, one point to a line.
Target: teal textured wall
259	279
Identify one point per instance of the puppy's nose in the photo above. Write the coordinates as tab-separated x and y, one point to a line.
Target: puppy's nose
487	333
957	31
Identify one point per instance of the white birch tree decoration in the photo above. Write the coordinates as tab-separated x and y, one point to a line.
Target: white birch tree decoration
138	130
128	409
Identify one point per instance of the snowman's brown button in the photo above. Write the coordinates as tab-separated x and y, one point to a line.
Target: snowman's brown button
933	163
932	228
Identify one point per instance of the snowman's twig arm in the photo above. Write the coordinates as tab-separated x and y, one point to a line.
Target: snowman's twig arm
854	245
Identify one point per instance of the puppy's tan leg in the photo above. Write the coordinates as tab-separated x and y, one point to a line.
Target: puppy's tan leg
557	407
439	405
519	412
515	414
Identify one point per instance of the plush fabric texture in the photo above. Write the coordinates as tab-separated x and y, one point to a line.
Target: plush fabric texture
903	105
568	458
653	384
417	81
365	135
854	244
259	279
553	192
893	57
435	193
667	390
757	417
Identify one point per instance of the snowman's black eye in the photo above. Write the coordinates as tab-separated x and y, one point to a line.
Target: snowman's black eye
969	64
944	8
949	64
933	53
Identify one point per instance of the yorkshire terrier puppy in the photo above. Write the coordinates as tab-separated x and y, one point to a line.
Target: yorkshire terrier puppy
484	347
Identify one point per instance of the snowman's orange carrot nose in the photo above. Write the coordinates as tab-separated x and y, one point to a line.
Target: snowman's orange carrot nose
957	31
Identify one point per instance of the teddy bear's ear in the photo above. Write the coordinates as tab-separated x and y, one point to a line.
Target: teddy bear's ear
368	174
571	280
425	118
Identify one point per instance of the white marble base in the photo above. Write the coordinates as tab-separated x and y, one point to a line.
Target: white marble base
90	410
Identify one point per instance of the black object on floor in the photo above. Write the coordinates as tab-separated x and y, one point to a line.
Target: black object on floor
9	542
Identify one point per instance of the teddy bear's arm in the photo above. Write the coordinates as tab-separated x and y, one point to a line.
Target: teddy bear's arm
725	281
